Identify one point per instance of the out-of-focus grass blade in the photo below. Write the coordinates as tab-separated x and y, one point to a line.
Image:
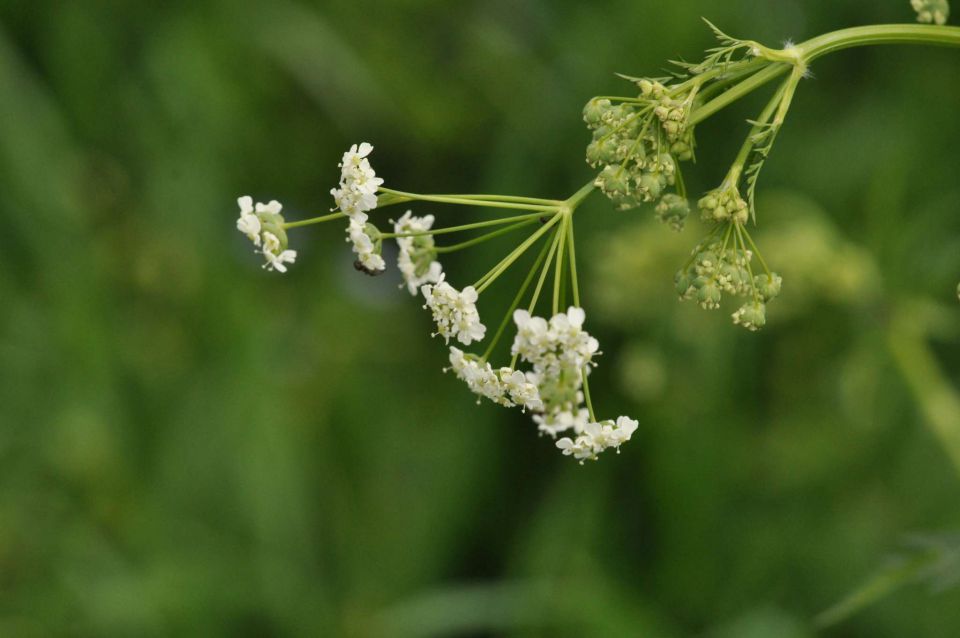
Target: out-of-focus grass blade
325	64
935	560
937	399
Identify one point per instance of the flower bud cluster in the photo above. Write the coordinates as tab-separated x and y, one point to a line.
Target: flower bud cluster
561	352
673	211
454	311
724	204
263	225
417	259
931	11
594	438
637	180
637	146
506	386
714	270
717	269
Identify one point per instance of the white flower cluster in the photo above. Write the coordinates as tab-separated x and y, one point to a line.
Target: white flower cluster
594	438
263	225
355	197
454	311
417	259
561	352
366	244
505	386
357	193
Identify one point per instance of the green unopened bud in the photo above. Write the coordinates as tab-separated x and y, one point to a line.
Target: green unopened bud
768	286
683	283
673	210
709	294
724	204
733	278
681	150
652	185
928	11
613	180
274	224
594	110
751	315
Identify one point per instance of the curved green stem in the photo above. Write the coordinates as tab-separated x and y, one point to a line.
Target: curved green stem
878	34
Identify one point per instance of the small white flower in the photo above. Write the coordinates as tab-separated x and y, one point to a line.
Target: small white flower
521	391
454	311
263	225
273	208
561	421
597	437
364	246
479	377
357	192
532	340
248	223
352	202
275	256
415	260
580	448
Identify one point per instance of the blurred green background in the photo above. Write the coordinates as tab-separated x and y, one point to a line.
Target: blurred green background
191	446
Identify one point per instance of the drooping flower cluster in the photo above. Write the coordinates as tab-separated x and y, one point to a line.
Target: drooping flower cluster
717	267
594	438
417	259
505	386
559	351
454	312
263	225
931	11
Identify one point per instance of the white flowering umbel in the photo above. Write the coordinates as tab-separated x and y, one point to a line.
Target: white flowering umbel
264	227
454	311
417	257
